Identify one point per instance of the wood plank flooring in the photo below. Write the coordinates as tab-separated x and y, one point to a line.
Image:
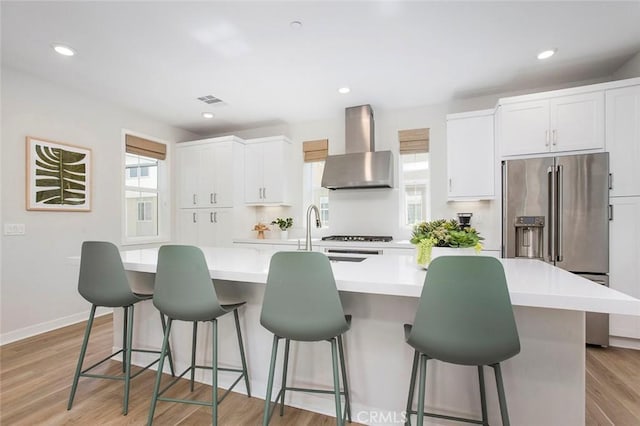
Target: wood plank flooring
36	374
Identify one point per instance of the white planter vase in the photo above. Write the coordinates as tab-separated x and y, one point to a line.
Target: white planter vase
284	235
447	251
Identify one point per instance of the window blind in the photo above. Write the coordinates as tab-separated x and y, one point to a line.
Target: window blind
315	150
146	148
413	141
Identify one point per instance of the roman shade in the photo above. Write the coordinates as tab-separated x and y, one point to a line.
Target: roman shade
315	150
413	141
145	147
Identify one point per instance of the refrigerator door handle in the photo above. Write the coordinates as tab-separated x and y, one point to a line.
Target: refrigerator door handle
551	214
559	203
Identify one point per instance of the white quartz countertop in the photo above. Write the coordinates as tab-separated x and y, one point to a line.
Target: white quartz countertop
531	282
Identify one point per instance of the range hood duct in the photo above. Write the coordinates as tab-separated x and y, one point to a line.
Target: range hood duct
361	166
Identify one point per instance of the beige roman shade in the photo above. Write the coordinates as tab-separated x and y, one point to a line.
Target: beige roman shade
413	141
145	147
315	150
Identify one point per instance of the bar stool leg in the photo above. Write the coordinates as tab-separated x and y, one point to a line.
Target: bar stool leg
125	327
501	396
347	403
412	386
287	342
126	357
164	326
242	356
483	396
336	382
214	372
272	367
156	388
421	389
83	351
193	352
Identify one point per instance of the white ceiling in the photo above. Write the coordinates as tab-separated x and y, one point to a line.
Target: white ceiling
158	57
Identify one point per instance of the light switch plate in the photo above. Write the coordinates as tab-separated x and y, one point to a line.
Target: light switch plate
14	229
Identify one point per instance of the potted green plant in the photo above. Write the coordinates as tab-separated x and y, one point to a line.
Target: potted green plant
442	233
284	225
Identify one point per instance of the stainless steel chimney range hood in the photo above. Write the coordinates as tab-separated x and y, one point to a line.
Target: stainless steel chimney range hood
361	166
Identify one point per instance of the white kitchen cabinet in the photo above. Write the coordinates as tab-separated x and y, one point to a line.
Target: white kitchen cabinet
268	171
205	227
623	139
471	160
554	125
624	261
206	172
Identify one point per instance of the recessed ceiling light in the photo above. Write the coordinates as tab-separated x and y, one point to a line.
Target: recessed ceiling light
207	115
344	90
545	54
63	50
296	25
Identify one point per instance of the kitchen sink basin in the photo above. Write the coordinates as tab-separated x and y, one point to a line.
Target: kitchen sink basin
346	259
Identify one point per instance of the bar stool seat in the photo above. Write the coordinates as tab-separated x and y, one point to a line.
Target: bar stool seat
301	303
464	317
183	291
103	282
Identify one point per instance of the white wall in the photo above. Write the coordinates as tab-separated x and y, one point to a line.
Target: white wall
630	69
39	285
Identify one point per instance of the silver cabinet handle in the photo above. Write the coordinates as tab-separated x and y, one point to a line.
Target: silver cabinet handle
546	138
555	137
215	198
215	217
212	199
450	184
211	217
264	193
610	180
195	199
610	212
194	217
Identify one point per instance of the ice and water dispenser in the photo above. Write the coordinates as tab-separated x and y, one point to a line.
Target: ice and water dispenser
529	236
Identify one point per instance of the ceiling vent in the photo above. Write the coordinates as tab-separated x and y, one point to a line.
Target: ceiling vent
209	99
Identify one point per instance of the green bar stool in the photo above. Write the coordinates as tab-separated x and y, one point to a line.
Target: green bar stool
183	291
464	317
103	282
301	303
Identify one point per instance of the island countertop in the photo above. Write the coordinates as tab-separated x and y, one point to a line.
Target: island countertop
532	283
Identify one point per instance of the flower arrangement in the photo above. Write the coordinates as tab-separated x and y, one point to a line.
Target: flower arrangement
442	233
283	224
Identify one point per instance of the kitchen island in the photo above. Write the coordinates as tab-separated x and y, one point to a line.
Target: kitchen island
545	383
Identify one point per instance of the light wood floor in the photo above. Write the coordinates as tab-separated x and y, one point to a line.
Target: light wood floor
36	373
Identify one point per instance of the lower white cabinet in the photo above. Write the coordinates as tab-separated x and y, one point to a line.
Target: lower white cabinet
205	227
471	160
624	261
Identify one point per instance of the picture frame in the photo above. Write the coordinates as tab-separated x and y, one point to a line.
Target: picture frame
58	176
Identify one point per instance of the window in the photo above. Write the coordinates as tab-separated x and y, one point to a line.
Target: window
146	214
414	175
315	153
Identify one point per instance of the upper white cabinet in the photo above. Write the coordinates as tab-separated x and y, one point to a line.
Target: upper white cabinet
623	139
471	161
268	171
206	172
553	125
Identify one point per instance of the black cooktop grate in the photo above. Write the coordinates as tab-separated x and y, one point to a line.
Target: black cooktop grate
359	238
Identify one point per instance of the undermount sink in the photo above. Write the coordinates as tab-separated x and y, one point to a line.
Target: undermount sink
346	259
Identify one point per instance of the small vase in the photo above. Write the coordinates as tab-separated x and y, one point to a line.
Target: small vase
284	235
261	235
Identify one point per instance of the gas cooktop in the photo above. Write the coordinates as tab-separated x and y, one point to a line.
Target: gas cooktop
362	238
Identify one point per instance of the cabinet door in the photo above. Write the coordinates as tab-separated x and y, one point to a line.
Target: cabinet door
253	157
188	165
223	175
524	128
273	172
624	268
623	139
188	220
206	176
470	157
577	122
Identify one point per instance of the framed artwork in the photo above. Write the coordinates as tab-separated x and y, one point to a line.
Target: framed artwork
58	176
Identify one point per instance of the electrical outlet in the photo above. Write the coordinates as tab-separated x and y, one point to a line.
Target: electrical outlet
14	229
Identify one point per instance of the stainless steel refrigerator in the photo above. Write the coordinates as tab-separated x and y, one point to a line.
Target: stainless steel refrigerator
557	209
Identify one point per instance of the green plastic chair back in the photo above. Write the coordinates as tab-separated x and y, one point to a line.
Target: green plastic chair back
102	280
301	301
183	289
465	315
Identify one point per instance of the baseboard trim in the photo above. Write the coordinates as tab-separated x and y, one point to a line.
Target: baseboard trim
623	342
43	327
